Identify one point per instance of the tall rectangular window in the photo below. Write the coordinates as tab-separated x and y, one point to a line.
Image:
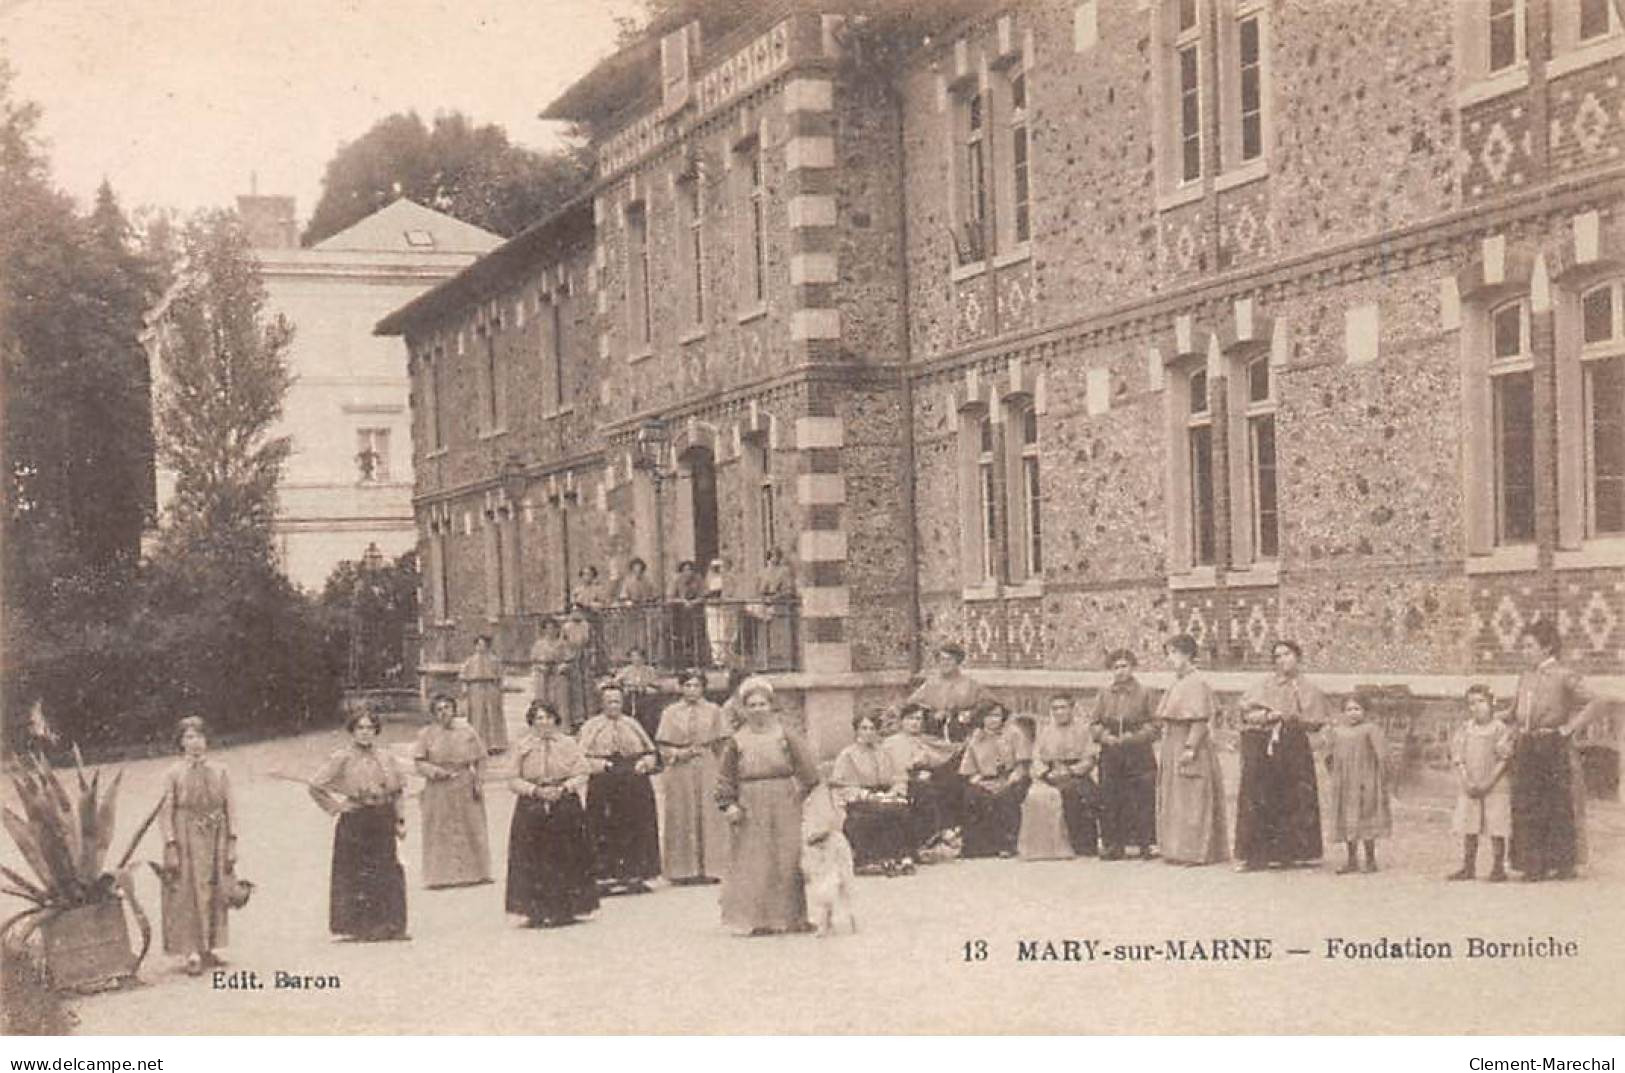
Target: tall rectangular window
1021	192
987	495
1602	357
431	399
1250	57
555	334
1031	496
372	455
642	293
493	389
753	254
1199	445
767	512
1190	113
694	220
975	163
1513	423
1261	462
1504	33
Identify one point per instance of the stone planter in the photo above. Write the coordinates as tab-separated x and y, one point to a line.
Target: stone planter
88	946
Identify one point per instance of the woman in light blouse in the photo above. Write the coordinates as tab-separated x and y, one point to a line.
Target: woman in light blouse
620	797
995	770
550	865
767	771
874	790
361	785
1190	790
450	755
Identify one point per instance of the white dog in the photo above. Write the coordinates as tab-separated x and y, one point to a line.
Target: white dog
826	863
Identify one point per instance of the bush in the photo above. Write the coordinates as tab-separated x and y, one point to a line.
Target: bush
241	647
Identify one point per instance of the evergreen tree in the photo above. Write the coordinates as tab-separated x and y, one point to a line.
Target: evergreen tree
224	377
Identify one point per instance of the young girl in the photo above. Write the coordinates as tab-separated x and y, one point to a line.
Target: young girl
1359	792
1480	750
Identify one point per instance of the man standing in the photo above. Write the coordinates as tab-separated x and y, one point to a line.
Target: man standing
1548	788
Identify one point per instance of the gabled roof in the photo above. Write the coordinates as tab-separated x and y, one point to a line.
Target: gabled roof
404	226
544	242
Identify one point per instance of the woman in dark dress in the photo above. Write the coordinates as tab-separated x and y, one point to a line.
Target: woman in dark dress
1125	725
361	785
874	791
550	873
1278	804
620	796
996	783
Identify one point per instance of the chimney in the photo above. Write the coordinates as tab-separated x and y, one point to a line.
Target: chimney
269	221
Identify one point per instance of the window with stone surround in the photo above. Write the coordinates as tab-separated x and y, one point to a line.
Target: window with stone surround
1596	18
429	371
493	390
1512	423
556	394
1244	74
1200	491
1018	213
439	590
1583	32
1602	408
639	284
1255	497
1506	45
1188	93
1491	48
987	502
691	202
970	239
751	281
1026	493
372	455
495	560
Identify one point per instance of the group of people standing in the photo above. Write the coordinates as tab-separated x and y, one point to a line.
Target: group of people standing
1139	773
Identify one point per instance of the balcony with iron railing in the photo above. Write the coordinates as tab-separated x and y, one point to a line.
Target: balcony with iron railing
747	636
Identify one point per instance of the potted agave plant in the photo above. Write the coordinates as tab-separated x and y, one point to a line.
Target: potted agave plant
77	903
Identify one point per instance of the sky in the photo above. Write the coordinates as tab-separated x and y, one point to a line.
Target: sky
179	102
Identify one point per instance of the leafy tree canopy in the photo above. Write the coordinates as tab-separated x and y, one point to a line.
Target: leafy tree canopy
463	169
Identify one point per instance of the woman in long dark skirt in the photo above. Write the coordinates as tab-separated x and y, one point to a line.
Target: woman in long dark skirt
874	791
995	772
550	873
1125	725
620	797
361	785
1278	804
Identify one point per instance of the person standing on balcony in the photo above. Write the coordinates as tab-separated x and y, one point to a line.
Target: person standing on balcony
554	681
589	591
721	619
1554	704
620	797
688	616
694	846
639	625
776	589
481	676
1278	803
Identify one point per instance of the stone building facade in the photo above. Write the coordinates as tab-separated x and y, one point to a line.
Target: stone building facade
1055	327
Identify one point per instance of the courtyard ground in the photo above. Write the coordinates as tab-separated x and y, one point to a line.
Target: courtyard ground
660	963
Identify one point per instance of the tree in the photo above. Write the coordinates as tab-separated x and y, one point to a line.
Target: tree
77	444
468	171
225	375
